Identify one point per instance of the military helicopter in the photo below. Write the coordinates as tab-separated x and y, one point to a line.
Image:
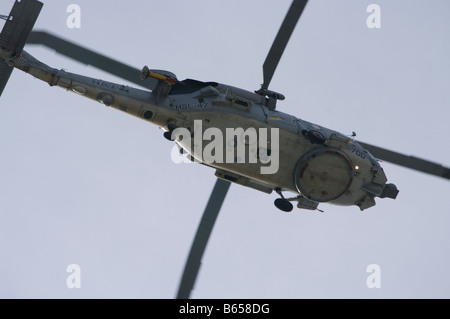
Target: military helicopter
317	164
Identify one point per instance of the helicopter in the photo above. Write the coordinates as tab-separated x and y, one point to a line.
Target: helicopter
356	178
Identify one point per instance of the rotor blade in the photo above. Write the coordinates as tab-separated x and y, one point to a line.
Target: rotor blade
281	40
90	57
5	73
205	227
411	162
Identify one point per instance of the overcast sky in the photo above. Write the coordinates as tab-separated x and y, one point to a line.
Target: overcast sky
84	184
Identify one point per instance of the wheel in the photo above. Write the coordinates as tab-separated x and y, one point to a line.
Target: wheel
283	205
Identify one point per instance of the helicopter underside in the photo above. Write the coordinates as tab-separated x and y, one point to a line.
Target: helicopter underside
332	169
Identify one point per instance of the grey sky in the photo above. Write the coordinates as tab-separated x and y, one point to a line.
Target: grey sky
83	184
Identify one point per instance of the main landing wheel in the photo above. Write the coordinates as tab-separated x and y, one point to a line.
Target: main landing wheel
283	204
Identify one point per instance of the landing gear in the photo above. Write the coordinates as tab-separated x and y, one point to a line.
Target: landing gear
282	203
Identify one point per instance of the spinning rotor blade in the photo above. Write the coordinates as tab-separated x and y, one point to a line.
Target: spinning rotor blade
280	42
205	227
124	71
90	57
411	162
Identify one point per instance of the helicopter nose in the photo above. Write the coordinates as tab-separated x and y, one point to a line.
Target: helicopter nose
389	191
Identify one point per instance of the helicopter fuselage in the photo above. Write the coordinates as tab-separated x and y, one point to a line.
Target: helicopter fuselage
315	163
